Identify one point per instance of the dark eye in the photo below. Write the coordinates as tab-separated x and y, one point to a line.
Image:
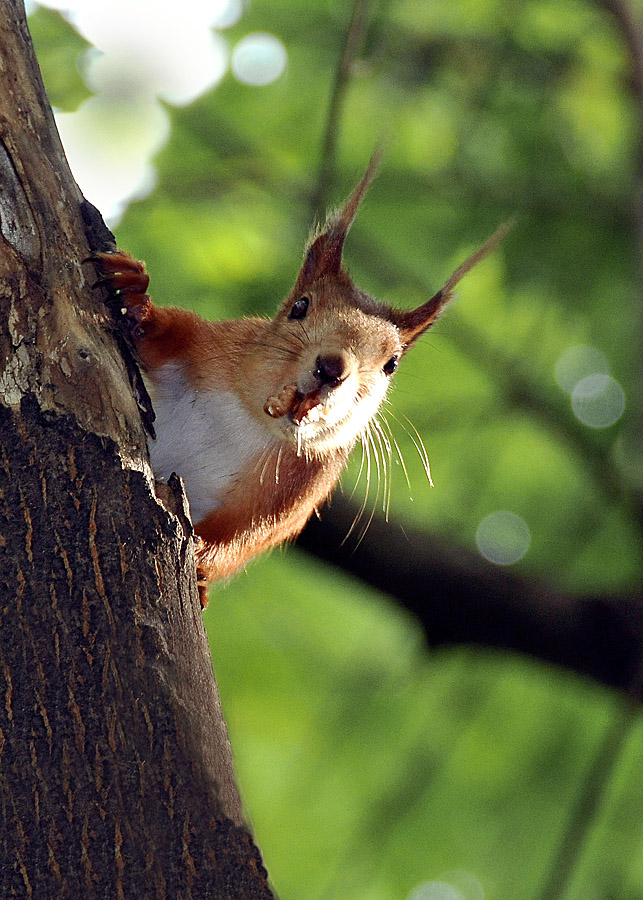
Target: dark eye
389	367
299	308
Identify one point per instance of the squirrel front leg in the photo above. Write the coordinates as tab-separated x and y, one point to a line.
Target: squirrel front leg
126	282
157	335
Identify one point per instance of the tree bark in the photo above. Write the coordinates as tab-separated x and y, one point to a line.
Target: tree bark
115	766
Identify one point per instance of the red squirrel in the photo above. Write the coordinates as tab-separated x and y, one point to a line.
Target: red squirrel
258	416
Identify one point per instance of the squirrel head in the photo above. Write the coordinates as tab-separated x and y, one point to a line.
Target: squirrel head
331	349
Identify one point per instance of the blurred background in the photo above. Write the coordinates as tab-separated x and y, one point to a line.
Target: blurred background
380	753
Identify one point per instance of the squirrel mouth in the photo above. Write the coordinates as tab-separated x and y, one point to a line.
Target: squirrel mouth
306	410
301	409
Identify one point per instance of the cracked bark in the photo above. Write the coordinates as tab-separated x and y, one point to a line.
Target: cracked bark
115	766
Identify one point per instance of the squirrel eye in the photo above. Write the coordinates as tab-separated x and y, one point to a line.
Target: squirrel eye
299	308
389	367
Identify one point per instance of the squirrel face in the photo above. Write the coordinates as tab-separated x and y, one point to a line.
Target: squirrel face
327	361
321	369
258	416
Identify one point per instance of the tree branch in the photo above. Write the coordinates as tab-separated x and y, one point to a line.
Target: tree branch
632	33
520	390
352	45
458	598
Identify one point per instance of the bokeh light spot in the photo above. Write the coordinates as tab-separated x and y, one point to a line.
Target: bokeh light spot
111	172
456	885
435	890
142	52
224	13
598	401
503	538
577	363
258	59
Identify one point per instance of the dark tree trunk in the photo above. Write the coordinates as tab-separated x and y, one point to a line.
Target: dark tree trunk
115	767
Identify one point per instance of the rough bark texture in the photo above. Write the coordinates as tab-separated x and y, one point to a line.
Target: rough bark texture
115	766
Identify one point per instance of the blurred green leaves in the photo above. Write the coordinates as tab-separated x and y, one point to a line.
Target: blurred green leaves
368	764
59	50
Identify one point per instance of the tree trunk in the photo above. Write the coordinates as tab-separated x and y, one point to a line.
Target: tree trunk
115	767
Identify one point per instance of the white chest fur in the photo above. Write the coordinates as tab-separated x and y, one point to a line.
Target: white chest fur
205	437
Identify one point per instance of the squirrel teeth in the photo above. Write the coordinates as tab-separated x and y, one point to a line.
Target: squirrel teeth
304	416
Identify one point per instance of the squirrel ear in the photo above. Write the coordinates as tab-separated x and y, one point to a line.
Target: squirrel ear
324	251
416	321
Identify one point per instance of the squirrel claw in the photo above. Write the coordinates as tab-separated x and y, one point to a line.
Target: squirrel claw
126	282
120	273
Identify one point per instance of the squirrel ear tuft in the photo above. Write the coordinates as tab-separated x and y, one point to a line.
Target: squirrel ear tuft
414	322
324	251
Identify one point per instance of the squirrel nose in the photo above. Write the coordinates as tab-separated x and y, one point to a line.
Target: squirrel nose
330	369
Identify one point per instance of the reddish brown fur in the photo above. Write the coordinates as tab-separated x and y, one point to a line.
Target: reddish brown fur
260	509
271	513
300	394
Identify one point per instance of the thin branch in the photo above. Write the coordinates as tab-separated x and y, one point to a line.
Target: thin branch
632	33
520	390
352	46
592	792
597	781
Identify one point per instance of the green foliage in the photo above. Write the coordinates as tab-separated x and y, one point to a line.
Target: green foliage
368	764
369	767
59	50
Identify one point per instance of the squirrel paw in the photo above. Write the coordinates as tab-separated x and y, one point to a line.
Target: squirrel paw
126	283
203	573
303	409
202	586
